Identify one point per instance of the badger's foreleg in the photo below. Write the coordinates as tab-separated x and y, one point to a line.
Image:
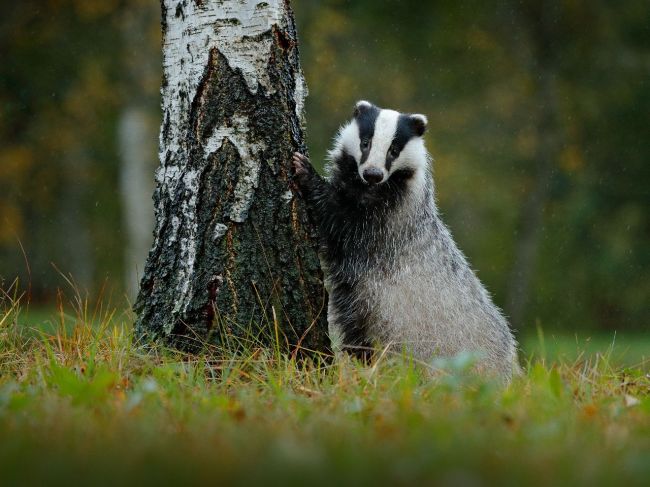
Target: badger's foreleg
315	190
323	203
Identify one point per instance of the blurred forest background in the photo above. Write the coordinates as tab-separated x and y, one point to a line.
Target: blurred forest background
539	126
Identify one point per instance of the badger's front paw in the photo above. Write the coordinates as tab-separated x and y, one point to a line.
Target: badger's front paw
303	172
301	164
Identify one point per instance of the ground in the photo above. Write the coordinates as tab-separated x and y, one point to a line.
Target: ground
80	403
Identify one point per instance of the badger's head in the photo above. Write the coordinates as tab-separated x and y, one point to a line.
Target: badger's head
383	143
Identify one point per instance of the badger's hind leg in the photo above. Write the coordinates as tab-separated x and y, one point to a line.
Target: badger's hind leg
349	322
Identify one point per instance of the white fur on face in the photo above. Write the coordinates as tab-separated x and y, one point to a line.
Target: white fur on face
385	128
346	140
413	156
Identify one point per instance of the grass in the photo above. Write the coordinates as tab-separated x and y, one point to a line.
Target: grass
630	350
80	403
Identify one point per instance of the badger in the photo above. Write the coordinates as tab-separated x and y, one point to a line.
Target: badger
394	274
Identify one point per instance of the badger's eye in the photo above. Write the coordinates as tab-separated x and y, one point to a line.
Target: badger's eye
393	152
364	144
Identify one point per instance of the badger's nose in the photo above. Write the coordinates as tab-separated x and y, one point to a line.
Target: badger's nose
373	175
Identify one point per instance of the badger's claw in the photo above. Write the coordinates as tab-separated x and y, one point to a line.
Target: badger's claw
300	164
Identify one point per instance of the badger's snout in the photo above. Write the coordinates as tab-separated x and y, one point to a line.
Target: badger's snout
373	175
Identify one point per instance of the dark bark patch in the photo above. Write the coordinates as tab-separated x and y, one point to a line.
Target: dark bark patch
179	11
196	113
210	307
281	39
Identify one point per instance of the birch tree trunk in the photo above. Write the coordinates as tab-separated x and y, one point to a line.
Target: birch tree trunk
233	253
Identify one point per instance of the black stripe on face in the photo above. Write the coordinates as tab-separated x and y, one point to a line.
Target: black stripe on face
404	132
366	116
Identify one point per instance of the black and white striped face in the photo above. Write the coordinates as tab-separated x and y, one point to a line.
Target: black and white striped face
384	142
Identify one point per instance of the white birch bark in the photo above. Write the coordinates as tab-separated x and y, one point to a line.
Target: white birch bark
228	67
193	29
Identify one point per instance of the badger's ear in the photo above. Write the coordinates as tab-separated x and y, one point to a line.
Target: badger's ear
361	107
419	124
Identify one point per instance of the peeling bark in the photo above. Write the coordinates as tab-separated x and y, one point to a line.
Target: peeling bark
233	248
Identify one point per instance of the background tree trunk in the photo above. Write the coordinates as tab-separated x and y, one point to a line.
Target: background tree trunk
538	19
233	253
136	137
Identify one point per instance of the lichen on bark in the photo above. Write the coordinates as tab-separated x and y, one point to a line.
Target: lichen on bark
233	248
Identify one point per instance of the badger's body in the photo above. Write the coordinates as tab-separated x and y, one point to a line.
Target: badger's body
394	274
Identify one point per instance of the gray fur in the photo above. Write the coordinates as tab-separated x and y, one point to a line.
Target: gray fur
416	290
